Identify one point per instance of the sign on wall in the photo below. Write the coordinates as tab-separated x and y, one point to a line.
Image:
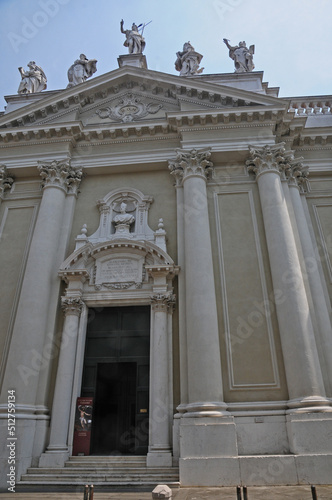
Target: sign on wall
83	421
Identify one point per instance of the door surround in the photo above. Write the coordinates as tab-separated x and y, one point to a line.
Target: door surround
145	277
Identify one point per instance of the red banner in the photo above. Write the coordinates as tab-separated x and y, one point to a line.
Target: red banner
83	421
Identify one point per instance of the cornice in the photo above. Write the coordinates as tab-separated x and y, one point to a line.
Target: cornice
225	115
162	85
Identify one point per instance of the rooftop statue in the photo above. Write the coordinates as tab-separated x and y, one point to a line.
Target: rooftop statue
33	80
82	69
188	61
134	40
242	56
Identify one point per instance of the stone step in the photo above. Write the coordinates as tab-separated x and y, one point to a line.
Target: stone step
109	458
104	475
97	463
113	486
103	469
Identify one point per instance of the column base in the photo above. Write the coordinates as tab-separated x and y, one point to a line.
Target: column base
310	404
204	409
54	457
308	433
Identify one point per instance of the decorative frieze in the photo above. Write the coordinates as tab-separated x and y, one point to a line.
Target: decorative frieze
72	305
191	163
60	174
6	181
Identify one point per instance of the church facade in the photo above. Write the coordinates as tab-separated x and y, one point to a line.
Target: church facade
165	245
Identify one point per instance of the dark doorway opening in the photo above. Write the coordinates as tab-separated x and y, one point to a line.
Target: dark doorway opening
116	375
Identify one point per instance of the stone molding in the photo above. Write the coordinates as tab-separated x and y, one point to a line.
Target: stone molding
72	305
60	173
191	163
6	181
163	302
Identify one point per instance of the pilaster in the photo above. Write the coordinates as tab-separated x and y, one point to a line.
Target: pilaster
297	175
304	377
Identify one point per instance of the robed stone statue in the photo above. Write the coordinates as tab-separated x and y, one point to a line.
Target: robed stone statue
242	56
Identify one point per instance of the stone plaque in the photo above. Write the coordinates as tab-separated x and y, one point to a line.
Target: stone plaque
119	270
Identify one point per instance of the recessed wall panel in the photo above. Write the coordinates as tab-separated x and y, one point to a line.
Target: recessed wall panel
247	322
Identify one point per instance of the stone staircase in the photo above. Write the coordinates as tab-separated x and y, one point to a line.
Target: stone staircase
120	472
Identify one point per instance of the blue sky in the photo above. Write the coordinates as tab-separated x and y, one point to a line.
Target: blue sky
292	38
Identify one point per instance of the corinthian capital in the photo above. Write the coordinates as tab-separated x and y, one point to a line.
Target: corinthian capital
71	305
295	172
6	181
163	302
59	173
191	163
266	159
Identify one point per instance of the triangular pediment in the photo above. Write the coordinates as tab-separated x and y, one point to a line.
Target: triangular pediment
141	100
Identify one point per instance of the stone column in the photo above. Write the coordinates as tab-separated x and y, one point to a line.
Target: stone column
205	395
73	182
207	431
160	453
27	362
304	377
31	325
57	451
297	174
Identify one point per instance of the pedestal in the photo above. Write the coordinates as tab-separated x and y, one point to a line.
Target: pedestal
137	60
208	452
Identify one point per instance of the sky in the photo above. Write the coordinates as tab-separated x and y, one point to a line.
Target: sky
292	38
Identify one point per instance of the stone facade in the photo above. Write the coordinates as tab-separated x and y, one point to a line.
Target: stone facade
208	199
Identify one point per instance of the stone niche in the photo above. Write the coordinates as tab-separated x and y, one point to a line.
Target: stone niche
124	214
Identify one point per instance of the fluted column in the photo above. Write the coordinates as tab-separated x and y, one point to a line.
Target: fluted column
160	390
297	174
304	377
57	451
25	359
205	395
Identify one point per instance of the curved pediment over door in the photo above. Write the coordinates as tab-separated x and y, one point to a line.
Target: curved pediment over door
119	269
